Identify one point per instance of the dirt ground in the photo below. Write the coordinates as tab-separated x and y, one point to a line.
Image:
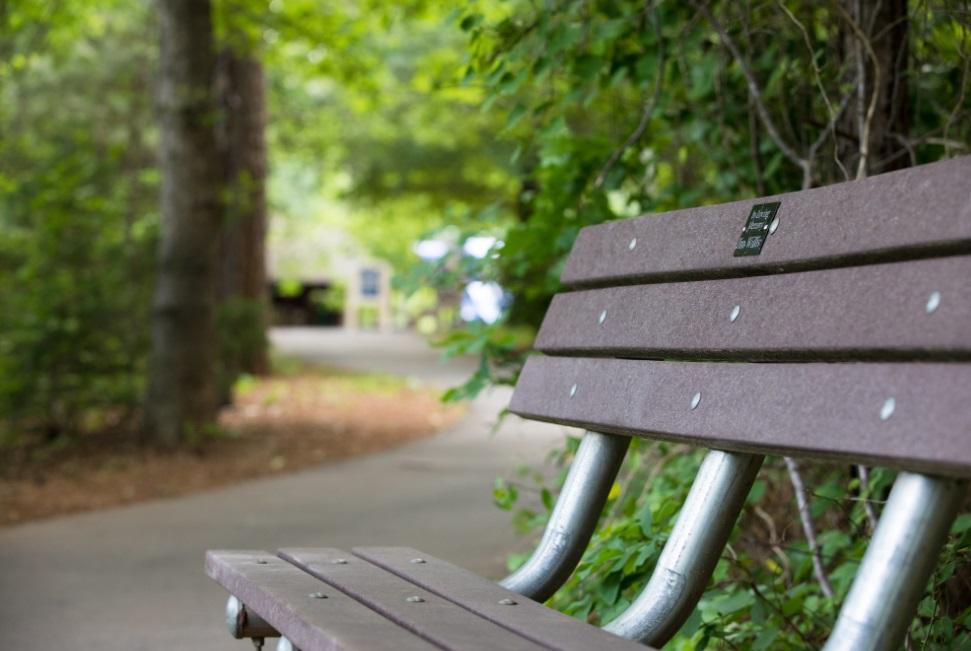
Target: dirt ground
277	425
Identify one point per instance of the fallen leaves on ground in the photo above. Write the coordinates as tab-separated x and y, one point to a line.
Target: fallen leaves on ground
277	425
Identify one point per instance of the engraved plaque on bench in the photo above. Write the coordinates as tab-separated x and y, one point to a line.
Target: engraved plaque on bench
756	229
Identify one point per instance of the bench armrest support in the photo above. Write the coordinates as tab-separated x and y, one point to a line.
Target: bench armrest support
574	517
692	550
879	607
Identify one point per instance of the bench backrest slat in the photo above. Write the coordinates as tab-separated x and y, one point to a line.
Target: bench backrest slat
915	416
909	310
918	212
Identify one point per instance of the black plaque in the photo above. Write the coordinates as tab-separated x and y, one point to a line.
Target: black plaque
756	229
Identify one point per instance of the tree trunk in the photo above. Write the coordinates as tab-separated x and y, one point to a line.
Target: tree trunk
182	395
242	276
883	66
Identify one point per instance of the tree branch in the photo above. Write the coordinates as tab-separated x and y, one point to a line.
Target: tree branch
807	526
754	90
871	515
646	113
865	126
834	115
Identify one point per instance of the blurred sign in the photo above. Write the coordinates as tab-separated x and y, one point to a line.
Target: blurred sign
370	282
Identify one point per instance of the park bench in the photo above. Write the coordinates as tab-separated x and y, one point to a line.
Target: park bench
832	323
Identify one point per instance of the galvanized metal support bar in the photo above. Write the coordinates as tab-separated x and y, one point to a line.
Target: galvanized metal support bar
285	645
898	562
574	517
243	622
692	550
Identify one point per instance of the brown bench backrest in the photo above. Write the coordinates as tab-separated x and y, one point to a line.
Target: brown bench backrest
842	331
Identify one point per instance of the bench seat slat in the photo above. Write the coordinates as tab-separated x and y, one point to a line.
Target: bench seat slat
872	311
917	212
476	594
915	416
436	619
280	593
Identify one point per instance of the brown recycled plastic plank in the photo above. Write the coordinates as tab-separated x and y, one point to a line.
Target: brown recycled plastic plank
908	310
483	597
282	595
914	416
424	613
918	212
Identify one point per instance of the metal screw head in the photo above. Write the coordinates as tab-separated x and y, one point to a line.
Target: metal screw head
888	408
317	595
633	243
573	390
507	602
602	317
415	599
262	562
339	561
734	313
933	302
695	400
418	561
773	226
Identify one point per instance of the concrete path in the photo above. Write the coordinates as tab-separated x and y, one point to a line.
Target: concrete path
131	578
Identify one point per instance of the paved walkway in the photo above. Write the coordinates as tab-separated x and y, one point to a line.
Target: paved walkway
131	578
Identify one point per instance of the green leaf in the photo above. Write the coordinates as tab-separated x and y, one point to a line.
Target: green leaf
734	602
646	520
470	22
515	116
547	498
961	524
765	639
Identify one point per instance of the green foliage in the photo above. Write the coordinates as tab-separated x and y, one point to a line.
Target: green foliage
374	133
77	216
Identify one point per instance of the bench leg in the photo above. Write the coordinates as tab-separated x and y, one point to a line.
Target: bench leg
693	549
879	607
574	517
243	622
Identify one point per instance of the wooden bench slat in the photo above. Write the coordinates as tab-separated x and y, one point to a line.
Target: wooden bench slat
918	212
915	416
436	619
481	596
280	593
872	311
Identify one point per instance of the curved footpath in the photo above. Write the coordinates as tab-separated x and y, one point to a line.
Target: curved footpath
131	578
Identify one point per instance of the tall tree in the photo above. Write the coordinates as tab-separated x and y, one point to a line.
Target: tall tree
242	260
182	394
